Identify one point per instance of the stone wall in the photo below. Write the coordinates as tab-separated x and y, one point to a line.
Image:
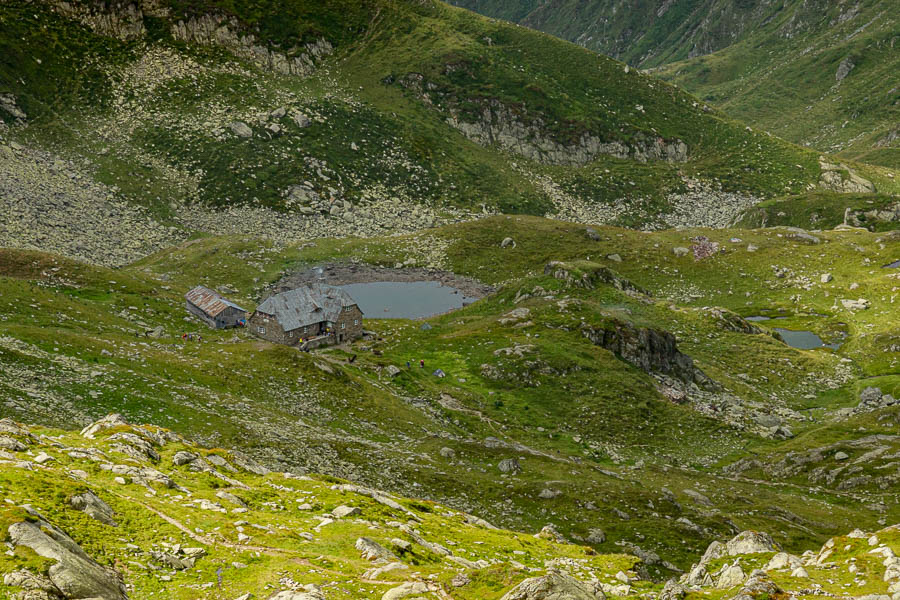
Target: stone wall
266	327
349	324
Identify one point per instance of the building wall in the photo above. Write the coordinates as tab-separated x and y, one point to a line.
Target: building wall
230	317
200	314
267	327
352	321
349	325
227	318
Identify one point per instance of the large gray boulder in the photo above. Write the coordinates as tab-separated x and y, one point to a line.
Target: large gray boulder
91	505
75	574
751	542
555	585
107	422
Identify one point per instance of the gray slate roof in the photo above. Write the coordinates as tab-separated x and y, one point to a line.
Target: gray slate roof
209	301
306	305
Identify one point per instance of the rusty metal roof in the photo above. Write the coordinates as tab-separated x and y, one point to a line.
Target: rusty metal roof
209	301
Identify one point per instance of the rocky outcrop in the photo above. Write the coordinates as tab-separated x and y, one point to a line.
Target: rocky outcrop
74	575
588	275
652	350
125	21
842	178
117	19
731	321
499	125
512	128
859	217
10	111
218	30
555	585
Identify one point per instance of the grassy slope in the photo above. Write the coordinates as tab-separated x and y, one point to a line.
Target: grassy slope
353	422
289	544
758	62
162	520
819	210
770	74
165	138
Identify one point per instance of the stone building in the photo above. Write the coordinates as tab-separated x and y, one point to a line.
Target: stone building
213	309
309	317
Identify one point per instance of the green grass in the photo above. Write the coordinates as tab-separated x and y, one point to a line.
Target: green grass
581	411
821	210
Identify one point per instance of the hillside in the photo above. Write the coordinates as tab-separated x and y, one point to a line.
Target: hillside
817	73
135	511
603	392
348	120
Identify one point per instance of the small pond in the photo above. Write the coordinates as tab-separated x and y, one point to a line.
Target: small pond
762	318
893	265
804	340
405	299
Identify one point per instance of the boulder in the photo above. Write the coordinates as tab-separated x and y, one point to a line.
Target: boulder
680	251
91	505
672	591
37	587
509	465
783	560
392	371
508	243
751	542
596	536
730	576
297	595
229	497
405	590
14	445
858	304
183	457
372	550
107	422
758	585
345	511
241	129
555	585
74	573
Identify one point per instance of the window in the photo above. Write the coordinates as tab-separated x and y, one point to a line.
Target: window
261	329
343	325
356	321
291	334
306	329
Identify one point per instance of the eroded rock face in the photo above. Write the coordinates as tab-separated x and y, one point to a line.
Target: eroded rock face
75	574
555	585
